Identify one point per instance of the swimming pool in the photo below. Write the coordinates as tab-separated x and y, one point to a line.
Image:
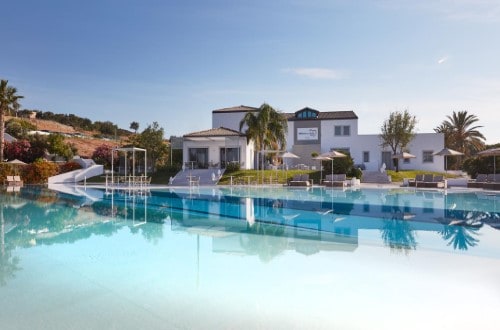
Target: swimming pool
249	258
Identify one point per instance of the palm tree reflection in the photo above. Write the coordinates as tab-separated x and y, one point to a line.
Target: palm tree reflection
398	235
460	237
8	263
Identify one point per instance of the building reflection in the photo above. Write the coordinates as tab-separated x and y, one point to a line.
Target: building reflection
246	221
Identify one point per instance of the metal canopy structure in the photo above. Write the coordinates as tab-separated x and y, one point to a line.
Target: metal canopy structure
127	150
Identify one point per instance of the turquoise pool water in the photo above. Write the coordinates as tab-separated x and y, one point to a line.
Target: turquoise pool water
247	258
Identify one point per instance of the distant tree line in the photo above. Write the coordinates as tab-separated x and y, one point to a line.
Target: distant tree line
105	128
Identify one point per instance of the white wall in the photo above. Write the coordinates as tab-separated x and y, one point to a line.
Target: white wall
422	142
229	120
214	147
328	138
356	144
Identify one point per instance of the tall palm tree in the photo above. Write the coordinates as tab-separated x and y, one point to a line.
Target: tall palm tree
461	134
267	128
8	100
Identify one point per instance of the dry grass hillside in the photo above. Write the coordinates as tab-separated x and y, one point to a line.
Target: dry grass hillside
85	146
51	126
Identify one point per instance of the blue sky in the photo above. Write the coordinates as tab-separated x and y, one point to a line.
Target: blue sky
175	61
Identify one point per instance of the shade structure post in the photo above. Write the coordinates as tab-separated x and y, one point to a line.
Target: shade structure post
284	156
331	155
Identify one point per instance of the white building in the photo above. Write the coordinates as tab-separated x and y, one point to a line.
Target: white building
309	131
217	147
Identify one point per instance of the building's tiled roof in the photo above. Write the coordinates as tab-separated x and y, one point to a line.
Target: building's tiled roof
325	115
322	115
239	108
213	132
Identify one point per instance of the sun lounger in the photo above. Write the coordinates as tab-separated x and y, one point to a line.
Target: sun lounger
426	181
300	180
479	182
438	181
493	182
9	180
335	180
13	180
413	182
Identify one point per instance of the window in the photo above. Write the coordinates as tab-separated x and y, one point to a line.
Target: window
347	130
338	130
342	130
307	114
366	156
427	156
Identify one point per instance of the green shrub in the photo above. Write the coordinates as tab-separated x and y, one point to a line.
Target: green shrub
232	167
476	165
355	173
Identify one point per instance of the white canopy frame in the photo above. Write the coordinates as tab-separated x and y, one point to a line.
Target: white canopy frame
126	150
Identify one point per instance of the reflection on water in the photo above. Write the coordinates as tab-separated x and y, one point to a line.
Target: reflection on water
264	223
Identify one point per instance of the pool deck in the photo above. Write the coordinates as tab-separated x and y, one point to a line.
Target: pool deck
393	185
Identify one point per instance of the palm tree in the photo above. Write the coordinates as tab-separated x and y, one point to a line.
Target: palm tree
461	134
8	100
267	128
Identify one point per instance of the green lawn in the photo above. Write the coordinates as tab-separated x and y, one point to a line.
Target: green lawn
266	176
399	176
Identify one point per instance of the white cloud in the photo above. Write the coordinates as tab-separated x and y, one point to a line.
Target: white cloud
442	60
316	73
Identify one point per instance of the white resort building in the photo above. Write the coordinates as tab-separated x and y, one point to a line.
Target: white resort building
309	131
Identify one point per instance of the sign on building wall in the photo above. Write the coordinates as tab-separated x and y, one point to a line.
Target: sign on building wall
307	134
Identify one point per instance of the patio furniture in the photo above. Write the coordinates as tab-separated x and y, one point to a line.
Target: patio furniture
413	182
479	182
17	180
438	181
335	180
9	180
300	180
13	180
493	182
194	180
426	180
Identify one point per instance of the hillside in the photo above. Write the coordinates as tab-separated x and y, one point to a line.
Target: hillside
85	146
51	126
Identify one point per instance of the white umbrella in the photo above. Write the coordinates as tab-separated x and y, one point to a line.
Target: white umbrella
16	162
285	155
491	152
321	158
333	154
404	155
447	152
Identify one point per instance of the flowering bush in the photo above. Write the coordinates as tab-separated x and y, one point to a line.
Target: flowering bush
17	150
102	156
39	172
23	150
